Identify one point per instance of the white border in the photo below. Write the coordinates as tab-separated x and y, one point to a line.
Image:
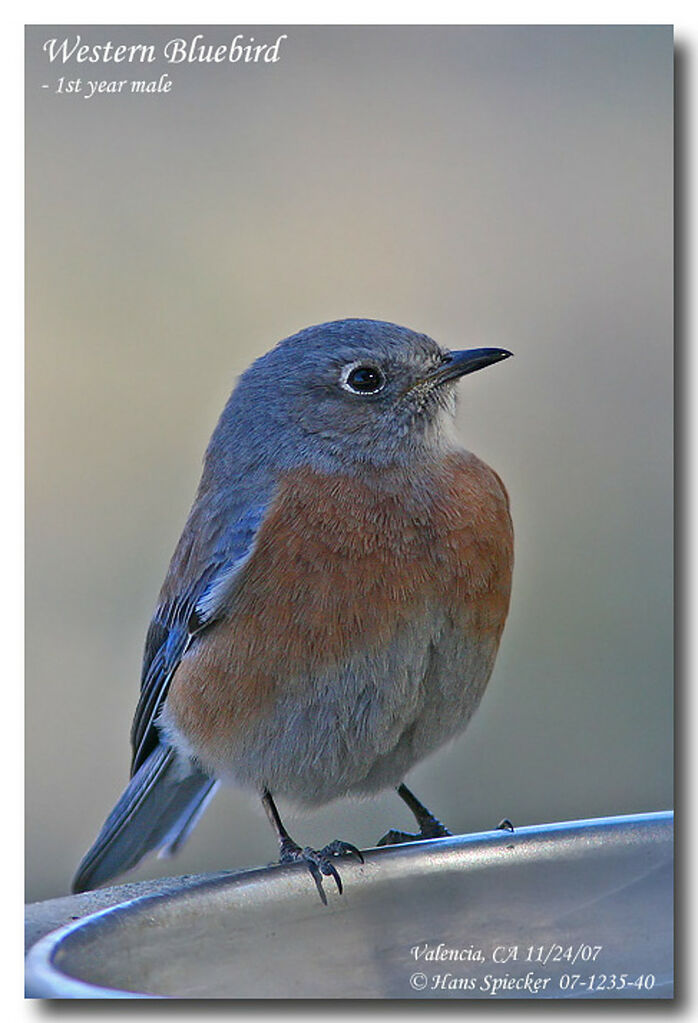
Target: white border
11	401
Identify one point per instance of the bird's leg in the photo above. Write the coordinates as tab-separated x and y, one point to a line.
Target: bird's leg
429	825
318	861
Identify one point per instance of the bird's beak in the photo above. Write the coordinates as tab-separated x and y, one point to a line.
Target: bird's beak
457	364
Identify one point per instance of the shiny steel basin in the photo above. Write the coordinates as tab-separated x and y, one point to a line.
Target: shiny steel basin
575	910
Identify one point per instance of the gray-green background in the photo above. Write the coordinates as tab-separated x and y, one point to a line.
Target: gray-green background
489	186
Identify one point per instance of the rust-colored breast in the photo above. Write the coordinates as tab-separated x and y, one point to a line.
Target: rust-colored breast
339	566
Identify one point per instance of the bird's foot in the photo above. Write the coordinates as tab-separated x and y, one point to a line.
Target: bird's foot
431	829
319	861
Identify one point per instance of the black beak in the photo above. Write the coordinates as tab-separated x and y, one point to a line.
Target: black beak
457	364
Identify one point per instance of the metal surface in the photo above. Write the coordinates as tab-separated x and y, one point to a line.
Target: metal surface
495	915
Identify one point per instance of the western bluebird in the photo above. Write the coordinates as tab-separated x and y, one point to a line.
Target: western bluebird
333	609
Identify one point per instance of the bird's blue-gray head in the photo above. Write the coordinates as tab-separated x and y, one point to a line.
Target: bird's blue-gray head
346	394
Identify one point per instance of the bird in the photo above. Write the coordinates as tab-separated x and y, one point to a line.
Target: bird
333	609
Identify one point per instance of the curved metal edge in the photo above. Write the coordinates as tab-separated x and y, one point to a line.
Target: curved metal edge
45	980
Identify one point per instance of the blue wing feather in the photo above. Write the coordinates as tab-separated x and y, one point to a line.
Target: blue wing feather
180	618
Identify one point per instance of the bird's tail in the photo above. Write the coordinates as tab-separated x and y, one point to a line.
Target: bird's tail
158	809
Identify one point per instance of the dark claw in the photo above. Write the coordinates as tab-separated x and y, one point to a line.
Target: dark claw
338	848
353	851
329	869
316	875
319	861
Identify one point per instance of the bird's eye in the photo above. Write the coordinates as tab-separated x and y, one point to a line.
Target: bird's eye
363	379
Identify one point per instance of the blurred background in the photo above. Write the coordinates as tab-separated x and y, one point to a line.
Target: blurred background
488	186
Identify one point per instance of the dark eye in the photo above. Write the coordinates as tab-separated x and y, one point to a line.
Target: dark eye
363	379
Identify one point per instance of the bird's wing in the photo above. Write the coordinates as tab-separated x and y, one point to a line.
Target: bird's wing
181	616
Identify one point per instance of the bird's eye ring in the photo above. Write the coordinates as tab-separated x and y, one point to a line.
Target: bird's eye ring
362	378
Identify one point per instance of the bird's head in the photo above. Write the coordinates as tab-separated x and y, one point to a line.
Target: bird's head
352	392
